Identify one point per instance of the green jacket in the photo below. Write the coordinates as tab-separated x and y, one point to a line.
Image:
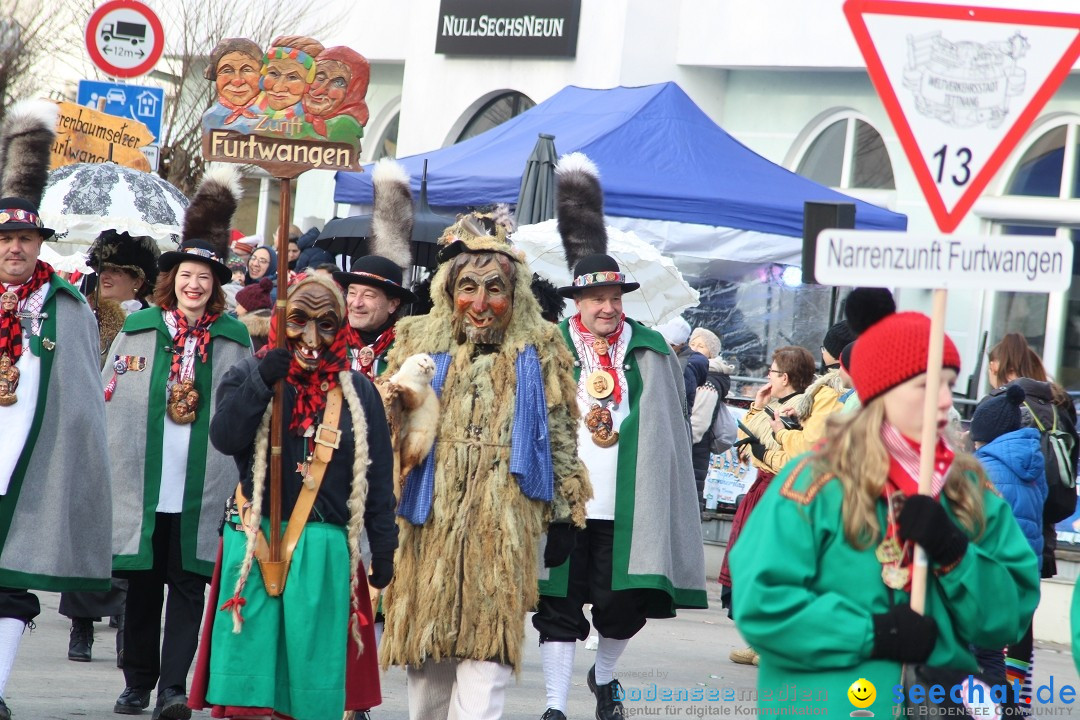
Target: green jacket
135	422
804	598
653	550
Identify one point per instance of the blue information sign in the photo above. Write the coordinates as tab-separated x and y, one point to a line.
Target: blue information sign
137	102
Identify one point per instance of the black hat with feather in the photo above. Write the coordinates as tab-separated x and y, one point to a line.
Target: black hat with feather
26	139
391	233
580	209
206	224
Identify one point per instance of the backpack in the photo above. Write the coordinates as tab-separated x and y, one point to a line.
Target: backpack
1059	451
724	431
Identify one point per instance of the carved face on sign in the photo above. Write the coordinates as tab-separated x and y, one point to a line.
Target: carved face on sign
238	78
482	285
312	318
284	83
327	93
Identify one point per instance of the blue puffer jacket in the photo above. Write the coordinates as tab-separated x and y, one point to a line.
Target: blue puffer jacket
1015	465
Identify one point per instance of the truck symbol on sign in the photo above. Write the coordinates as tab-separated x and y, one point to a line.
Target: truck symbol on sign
132	32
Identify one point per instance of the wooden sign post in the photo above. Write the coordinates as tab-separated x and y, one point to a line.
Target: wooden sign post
293	107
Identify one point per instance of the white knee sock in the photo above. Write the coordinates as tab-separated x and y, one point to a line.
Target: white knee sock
378	633
607	654
558	659
11	631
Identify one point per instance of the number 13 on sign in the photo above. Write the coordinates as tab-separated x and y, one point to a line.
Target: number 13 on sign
952	165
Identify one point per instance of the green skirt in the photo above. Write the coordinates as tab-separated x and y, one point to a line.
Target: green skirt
290	653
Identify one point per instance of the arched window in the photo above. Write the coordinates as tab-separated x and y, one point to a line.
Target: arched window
1048	169
387	145
495	112
847	153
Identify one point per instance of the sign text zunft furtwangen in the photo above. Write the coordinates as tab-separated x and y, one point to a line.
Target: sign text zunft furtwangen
1001	262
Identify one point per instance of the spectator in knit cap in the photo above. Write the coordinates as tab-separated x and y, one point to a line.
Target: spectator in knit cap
253	308
695	366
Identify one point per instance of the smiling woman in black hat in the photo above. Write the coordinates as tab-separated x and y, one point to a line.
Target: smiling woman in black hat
169	483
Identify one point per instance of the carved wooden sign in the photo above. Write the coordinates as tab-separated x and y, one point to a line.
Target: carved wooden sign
295	106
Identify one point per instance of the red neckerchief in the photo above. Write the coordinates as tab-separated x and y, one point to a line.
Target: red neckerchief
605	359
311	387
236	111
200	331
10	328
378	348
904	477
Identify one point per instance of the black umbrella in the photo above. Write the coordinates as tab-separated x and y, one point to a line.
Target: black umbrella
536	199
345	236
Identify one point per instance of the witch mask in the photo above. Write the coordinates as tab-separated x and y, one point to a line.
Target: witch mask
483	291
313	316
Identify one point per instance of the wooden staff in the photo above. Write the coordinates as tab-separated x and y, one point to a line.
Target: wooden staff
929	436
279	388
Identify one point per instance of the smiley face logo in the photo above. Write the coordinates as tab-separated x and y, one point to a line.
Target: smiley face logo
862	693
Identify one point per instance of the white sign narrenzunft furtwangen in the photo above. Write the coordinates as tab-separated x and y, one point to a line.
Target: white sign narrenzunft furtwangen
1015	263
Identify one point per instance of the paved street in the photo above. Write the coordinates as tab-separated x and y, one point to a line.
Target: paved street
687	652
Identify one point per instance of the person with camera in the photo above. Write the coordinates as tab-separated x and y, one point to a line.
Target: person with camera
790	373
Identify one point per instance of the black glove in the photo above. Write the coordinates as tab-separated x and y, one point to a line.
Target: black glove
904	635
924	521
274	365
757	448
382	570
561	539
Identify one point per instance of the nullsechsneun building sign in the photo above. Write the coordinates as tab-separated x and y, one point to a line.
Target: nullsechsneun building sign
544	28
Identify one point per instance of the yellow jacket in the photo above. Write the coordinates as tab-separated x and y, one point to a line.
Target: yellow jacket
757	421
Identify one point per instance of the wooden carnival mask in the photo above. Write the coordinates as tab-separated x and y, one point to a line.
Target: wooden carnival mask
313	316
482	286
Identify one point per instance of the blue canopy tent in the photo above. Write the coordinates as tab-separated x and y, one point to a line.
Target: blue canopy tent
668	171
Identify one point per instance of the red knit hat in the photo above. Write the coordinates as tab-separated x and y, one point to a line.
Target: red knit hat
256	296
893	351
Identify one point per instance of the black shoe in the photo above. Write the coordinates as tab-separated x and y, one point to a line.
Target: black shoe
5	714
81	639
608	696
171	705
132	701
552	714
361	715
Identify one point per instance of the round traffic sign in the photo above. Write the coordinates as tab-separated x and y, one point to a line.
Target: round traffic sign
124	38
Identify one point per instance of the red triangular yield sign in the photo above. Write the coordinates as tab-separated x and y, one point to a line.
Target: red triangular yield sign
961	85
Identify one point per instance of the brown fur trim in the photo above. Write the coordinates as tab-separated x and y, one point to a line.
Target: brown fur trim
110	317
257	323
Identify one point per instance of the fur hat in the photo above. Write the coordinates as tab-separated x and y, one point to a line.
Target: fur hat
136	254
392	213
579	202
997	415
206	223
26	139
893	351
